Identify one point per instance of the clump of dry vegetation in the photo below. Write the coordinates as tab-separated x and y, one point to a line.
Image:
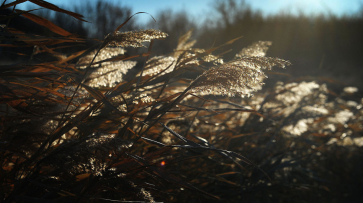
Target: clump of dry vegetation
75	130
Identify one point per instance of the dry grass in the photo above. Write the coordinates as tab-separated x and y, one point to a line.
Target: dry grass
73	130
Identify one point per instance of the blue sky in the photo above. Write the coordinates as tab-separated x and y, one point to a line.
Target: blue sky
201	8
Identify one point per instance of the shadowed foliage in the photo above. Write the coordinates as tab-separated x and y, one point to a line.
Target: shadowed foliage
79	127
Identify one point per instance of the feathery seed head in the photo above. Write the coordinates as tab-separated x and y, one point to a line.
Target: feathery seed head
212	58
184	44
133	38
158	64
256	49
240	77
109	74
105	53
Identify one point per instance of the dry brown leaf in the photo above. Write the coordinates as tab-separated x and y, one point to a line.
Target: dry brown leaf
46	23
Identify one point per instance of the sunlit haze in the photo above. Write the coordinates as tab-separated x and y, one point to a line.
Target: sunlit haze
201	8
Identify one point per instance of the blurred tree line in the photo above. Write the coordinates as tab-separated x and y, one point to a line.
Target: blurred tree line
322	45
325	45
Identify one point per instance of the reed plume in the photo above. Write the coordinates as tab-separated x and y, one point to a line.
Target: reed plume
256	49
133	38
240	77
